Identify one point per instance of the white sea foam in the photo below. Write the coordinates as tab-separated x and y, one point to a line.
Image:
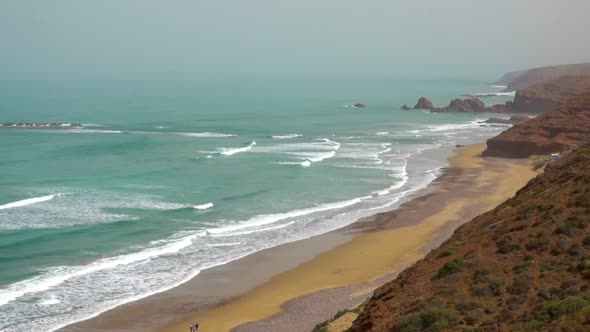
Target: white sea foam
84	131
59	275
51	300
81	207
232	151
304	153
231	244
203	206
265	219
495	94
247	232
29	201
382	133
287	136
205	135
495	86
456	126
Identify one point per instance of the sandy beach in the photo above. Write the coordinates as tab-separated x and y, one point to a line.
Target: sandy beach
293	287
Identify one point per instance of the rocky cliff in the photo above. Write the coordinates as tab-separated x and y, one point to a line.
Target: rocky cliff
543	97
550	132
523	266
524	79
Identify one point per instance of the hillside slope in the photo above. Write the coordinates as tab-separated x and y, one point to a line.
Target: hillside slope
544	74
522	266
550	132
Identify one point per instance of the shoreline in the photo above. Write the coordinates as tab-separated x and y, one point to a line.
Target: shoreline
269	287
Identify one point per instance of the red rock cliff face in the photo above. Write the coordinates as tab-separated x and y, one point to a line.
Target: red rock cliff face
550	132
544	97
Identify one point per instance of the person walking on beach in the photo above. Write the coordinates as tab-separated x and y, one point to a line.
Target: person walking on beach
192	328
197	327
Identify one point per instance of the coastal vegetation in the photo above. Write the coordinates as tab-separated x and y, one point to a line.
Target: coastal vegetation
523	266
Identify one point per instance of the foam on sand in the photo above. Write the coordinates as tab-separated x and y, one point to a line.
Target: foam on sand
29	201
232	151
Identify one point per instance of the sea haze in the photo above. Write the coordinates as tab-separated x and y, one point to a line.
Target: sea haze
170	177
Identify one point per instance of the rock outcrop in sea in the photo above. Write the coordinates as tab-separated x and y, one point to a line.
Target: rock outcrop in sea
468	105
535	99
523	266
551	132
424	104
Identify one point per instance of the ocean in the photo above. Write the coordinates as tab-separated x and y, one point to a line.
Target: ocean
169	177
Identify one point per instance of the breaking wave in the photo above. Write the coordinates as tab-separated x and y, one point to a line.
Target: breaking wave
232	151
29	201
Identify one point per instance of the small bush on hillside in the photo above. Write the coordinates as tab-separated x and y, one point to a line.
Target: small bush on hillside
448	252
431	319
508	248
559	309
540	161
453	266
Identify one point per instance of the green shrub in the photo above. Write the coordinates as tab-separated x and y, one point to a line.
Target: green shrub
536	325
448	252
540	161
321	327
431	319
508	248
453	266
570	305
521	267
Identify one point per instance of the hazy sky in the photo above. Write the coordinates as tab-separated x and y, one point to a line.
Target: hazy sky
433	38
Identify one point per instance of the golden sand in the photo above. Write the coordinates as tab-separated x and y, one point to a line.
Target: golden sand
370	255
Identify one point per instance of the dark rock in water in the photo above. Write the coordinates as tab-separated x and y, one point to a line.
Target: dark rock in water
424	104
469	105
406	108
520	118
465	105
498	108
359	105
459	146
497	120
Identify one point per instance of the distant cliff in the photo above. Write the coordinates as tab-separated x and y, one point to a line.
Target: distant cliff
509	77
543	97
523	266
524	79
554	131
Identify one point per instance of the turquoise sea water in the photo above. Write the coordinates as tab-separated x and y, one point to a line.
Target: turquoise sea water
169	177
